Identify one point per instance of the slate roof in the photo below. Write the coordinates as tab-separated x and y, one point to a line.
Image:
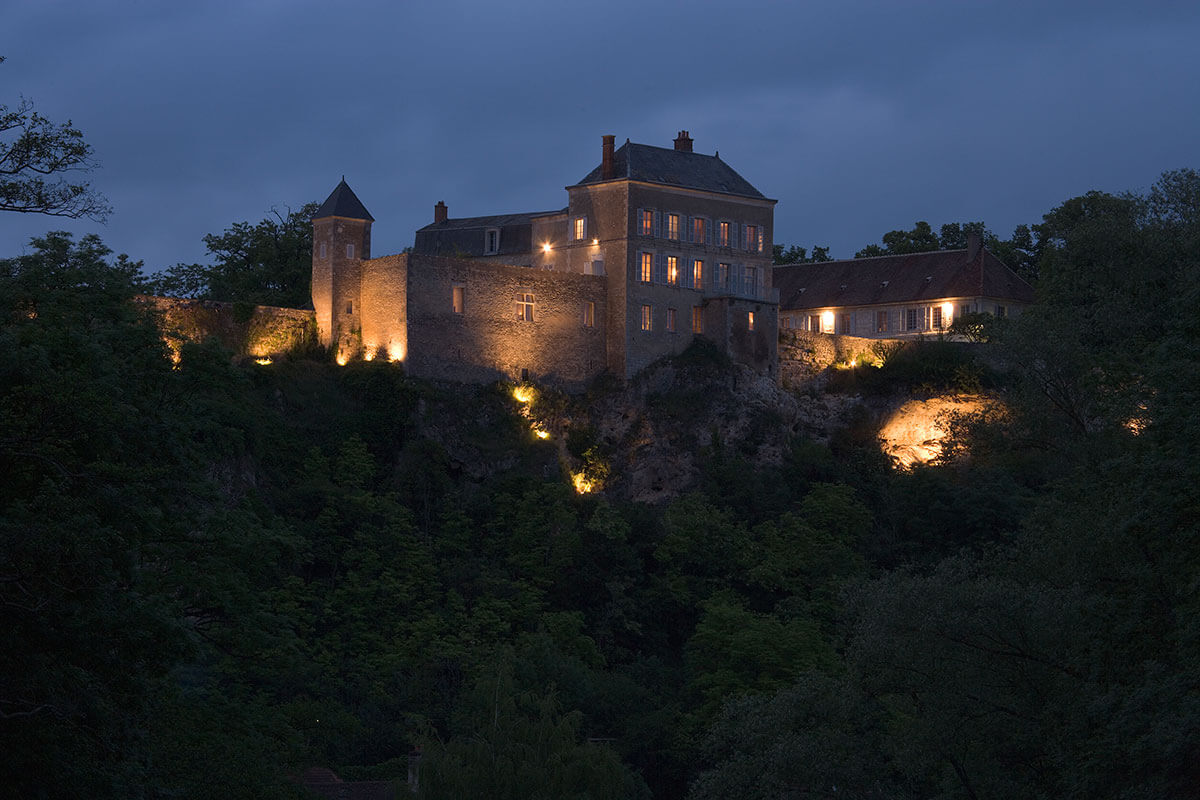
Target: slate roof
465	236
643	162
342	202
911	278
494	221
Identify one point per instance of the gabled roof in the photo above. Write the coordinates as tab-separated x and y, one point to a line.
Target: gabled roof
911	278
342	202
643	162
494	221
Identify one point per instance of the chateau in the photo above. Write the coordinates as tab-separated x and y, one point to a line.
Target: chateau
655	247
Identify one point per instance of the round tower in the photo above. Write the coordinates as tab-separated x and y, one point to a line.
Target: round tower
341	242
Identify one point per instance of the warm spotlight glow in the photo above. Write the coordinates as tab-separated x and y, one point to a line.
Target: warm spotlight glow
342	358
546	247
395	352
914	433
581	483
595	241
263	361
522	394
369	355
541	433
827	322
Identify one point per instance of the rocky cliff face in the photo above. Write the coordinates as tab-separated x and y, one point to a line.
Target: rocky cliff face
654	431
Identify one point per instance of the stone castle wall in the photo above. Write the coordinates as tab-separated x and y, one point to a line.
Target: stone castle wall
384	307
246	330
485	340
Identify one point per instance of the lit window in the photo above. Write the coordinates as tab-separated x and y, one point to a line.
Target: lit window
647	267
723	234
751	237
579	229
937	317
671	320
589	314
322	250
697	320
491	241
672	270
646	318
672	226
525	306
881	325
750	320
698	273
646	223
456	299
698	230
349	251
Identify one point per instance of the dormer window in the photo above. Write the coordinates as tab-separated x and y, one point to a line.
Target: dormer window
491	241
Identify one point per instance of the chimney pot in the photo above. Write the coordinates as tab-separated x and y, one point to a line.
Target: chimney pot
607	171
440	212
683	142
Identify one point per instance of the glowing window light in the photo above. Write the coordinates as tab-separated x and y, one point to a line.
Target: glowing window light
947	313
827	322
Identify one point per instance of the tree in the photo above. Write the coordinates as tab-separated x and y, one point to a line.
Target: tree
798	255
34	155
265	264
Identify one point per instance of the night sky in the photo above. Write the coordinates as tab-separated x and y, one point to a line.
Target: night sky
859	117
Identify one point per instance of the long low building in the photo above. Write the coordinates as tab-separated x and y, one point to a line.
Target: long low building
898	296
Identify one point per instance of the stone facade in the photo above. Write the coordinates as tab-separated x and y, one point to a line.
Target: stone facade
655	247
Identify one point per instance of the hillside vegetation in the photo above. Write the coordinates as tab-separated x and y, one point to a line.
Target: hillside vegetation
216	575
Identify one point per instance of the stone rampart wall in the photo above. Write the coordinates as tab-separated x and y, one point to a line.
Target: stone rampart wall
245	330
485	340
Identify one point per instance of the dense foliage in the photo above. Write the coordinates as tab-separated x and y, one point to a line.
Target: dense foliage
268	263
215	576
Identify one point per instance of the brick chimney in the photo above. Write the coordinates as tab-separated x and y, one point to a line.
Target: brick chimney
440	211
607	171
683	142
974	245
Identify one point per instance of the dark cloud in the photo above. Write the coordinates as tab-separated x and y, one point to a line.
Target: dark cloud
859	117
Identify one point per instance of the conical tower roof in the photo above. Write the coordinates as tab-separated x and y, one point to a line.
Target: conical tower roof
342	202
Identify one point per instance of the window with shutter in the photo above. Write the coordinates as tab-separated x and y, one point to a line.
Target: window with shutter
658	224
